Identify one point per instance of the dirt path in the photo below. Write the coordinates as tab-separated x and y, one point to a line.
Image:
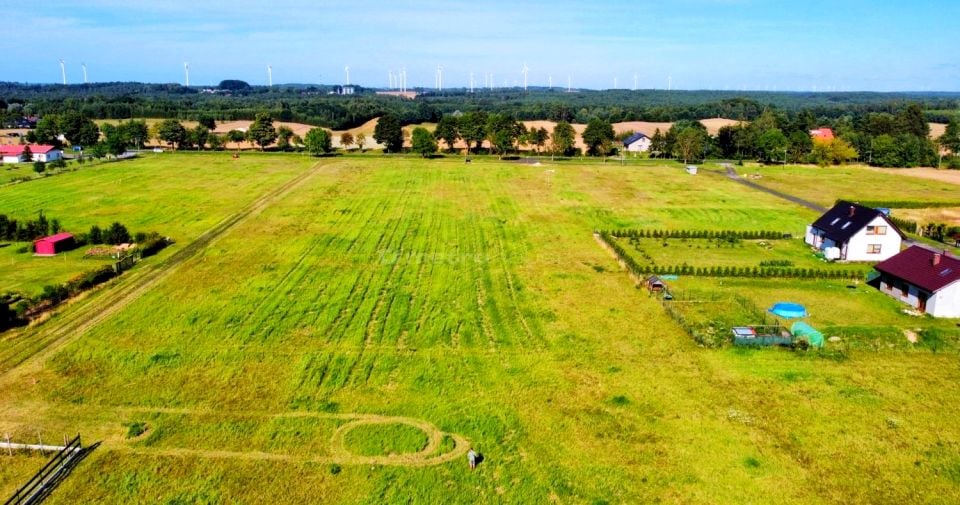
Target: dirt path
36	345
340	453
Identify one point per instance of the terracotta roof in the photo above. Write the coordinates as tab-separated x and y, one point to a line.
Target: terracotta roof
838	225
56	238
915	265
822	133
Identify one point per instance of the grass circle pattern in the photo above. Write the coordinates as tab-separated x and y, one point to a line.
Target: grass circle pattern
385	439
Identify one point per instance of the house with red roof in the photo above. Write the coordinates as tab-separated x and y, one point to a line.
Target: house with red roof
926	279
822	133
39	152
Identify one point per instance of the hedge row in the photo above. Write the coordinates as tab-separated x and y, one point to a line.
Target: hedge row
905	225
762	272
727	271
696	234
56	293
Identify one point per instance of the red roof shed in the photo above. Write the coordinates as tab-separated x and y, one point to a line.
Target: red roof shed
49	246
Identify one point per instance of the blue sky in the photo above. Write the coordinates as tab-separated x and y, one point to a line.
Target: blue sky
839	45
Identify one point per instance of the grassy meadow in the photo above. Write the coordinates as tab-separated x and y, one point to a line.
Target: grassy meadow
384	306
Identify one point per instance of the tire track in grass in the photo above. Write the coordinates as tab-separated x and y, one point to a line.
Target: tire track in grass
399	233
322	243
343	325
57	332
343	308
285	322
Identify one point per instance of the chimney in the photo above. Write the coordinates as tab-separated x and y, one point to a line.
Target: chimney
852	211
936	259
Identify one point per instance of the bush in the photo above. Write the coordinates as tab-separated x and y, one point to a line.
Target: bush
39	167
152	244
136	428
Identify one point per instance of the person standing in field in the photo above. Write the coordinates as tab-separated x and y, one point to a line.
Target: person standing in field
472	458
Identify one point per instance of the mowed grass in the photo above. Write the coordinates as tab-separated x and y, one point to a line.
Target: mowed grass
826	185
469	297
380	439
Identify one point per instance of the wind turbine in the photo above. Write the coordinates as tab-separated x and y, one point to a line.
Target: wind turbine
550	80
439	78
634	81
471	82
346	70
186	74
63	72
615	84
270	75
84	67
569	89
669	82
525	70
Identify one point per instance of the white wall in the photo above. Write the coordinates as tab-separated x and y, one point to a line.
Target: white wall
946	302
889	243
11	159
639	146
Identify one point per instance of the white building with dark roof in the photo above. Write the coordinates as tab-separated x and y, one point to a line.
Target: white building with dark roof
852	232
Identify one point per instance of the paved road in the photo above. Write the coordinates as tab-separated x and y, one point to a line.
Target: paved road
732	174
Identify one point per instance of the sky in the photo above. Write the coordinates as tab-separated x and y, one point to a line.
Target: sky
812	45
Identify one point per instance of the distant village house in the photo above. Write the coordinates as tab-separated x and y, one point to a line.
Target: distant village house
637	143
822	134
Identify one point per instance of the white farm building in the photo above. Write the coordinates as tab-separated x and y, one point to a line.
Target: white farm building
637	143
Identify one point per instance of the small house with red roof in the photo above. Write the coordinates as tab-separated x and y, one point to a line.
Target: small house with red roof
822	133
926	279
45	153
50	246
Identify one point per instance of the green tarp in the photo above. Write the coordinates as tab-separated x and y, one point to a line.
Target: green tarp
803	330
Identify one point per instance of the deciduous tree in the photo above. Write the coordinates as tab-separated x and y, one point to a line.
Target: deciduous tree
389	133
563	138
261	131
448	130
171	132
318	141
423	142
598	136
346	140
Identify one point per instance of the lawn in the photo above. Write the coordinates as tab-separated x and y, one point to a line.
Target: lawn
470	300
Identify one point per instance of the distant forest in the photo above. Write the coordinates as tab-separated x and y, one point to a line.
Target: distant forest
314	104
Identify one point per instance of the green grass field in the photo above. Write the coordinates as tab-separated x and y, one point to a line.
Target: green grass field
377	307
826	185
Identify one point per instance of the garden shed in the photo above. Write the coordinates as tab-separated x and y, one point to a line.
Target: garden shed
49	246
